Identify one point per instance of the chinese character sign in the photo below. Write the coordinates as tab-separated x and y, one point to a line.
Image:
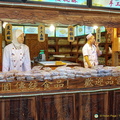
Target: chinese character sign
98	35
74	2
41	33
106	3
71	34
8	32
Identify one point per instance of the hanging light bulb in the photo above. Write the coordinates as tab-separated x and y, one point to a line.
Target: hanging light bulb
52	27
95	27
4	24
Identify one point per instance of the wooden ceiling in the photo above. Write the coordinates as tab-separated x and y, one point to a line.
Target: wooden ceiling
59	15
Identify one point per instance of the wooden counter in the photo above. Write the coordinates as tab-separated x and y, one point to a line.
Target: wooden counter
71	99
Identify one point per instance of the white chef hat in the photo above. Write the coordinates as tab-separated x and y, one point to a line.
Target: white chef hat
15	35
89	36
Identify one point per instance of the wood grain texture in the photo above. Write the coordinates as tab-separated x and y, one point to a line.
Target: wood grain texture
34	45
74	106
57	16
1	52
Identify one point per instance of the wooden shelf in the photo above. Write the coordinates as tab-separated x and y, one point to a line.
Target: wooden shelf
63	45
52	52
78	45
79	52
73	44
51	44
64	52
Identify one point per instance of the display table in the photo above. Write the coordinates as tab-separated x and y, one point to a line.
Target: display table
52	63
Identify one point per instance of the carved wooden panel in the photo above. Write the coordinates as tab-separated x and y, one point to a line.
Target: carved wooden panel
18	109
34	45
34	15
74	106
0	52
56	107
93	106
116	109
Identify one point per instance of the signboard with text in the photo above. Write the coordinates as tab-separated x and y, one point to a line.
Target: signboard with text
106	3
63	2
59	84
12	0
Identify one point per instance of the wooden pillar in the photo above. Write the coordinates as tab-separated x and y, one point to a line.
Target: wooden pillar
0	46
0	52
115	46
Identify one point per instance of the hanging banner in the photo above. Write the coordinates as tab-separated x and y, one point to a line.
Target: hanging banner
106	3
41	33
98	35
8	32
71	37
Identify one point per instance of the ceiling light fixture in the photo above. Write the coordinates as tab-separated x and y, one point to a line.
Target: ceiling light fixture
4	24
52	27
95	27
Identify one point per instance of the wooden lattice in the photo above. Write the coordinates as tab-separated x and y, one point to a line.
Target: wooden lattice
34	45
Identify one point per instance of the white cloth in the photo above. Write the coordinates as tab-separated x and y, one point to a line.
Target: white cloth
16	59
15	35
91	52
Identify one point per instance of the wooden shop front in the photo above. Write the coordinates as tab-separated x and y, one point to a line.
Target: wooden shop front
95	98
31	13
71	99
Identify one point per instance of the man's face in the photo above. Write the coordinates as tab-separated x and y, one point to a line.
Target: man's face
21	38
92	39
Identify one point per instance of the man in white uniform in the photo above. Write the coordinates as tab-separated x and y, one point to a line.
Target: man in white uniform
90	52
16	55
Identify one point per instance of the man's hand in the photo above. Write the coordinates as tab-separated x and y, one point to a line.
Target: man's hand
99	52
96	44
89	66
88	62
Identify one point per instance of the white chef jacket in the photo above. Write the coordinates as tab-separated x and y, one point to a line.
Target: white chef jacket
91	52
16	59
